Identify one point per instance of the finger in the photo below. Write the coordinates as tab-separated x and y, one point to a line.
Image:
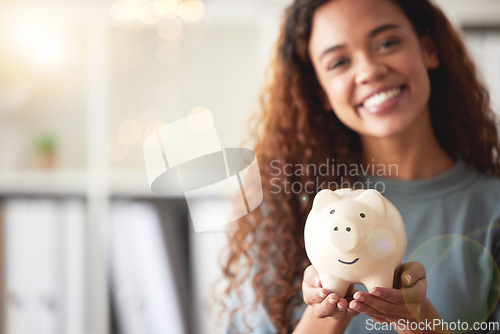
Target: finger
311	287
378	315
379	305
414	294
410	273
327	307
311	276
393	296
405	302
342	307
313	295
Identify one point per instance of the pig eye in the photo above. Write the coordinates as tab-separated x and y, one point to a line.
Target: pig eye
336	228
362	215
332	212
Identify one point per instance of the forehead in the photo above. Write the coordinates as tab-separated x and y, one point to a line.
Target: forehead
339	21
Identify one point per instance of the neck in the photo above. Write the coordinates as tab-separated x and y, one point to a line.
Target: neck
413	154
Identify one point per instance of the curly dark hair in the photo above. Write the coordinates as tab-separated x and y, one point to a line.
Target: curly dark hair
294	126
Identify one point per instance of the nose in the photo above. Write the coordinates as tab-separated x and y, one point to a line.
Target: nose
345	236
370	70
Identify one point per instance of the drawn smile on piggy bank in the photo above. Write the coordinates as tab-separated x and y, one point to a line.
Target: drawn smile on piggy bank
352	262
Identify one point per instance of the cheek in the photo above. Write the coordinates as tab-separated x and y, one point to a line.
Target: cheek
339	94
417	71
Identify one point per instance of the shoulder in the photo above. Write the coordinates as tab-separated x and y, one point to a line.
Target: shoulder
484	192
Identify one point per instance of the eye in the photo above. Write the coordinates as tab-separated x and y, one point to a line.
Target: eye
388	43
332	212
338	64
336	228
362	215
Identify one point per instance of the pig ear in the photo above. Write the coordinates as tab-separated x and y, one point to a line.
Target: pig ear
323	198
374	200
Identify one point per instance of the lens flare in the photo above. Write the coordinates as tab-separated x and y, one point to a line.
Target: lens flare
475	269
381	243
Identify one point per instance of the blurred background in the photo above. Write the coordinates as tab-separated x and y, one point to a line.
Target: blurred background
86	246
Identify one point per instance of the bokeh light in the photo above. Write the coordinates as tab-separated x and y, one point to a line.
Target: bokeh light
191	10
154	126
130	131
125	11
151	12
169	29
148	15
166	8
44	53
200	119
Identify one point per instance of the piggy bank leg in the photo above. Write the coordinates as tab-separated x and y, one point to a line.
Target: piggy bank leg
380	281
335	284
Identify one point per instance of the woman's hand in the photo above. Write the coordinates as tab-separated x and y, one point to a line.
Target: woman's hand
390	305
324	303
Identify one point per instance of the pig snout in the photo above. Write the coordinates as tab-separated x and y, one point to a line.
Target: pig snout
345	235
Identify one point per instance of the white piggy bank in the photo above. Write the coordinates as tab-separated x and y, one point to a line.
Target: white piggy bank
354	236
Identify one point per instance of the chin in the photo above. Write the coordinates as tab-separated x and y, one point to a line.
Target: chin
385	130
394	126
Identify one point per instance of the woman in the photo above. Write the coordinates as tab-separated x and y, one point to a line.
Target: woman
365	85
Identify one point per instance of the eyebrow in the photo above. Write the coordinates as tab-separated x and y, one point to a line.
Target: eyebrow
371	34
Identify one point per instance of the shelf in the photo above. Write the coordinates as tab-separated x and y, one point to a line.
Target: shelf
75	183
132	184
43	182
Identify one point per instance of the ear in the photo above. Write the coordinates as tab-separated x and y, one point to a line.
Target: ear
430	53
323	198
374	200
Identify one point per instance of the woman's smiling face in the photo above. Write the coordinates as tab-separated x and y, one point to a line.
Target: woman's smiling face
371	65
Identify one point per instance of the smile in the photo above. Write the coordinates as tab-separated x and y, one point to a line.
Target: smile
352	262
382	97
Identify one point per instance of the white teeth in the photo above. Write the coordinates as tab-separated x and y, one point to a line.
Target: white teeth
380	98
